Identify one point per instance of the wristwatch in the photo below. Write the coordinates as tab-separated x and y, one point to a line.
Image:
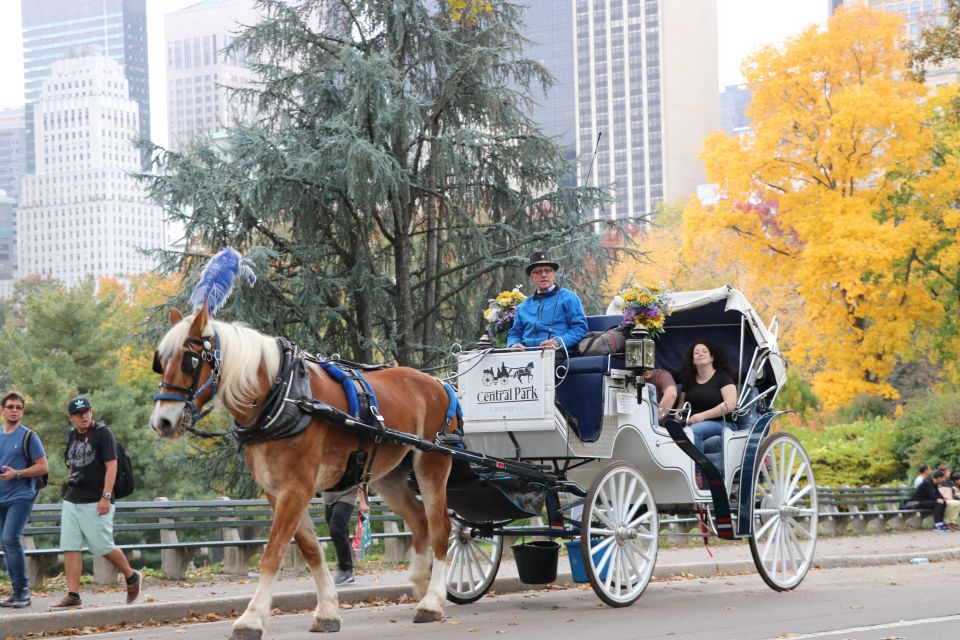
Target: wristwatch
18	475
108	496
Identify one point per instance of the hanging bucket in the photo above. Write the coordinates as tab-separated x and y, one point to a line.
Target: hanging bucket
577	571
537	561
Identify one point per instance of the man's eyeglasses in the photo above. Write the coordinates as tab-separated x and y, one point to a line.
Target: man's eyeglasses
14	407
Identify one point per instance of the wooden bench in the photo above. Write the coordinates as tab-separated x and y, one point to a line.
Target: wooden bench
181	529
873	509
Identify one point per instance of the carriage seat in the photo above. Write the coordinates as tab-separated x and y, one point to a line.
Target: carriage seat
581	392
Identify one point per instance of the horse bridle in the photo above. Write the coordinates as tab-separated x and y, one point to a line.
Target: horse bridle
191	365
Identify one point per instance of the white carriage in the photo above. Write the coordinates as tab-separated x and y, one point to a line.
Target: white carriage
592	459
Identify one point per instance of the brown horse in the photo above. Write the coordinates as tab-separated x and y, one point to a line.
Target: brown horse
201	357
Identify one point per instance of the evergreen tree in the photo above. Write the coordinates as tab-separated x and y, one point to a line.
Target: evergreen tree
392	181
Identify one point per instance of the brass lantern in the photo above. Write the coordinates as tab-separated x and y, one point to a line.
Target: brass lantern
640	350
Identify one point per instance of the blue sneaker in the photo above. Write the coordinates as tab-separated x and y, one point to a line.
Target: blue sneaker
17	600
942	527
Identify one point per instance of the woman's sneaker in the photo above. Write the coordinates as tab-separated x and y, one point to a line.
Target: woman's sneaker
68	602
17	600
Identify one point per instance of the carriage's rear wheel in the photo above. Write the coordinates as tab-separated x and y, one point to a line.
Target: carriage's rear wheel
619	534
472	563
785	512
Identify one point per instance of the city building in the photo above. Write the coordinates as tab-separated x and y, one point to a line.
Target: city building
918	15
13	166
200	70
55	29
7	207
734	100
636	82
82	212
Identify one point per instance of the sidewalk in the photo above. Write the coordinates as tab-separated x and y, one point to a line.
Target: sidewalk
161	603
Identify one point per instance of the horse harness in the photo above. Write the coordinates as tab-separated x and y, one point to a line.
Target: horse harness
289	406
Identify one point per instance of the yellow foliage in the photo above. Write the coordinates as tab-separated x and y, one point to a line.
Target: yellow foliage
835	126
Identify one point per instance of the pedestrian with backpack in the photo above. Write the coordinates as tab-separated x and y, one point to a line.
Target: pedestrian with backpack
23	462
87	511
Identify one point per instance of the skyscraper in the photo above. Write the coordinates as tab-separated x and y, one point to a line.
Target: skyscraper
640	76
55	29
13	166
81	212
199	70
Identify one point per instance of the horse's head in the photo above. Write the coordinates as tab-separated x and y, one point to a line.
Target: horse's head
188	358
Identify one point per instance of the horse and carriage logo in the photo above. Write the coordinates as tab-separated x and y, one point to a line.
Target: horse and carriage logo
503	374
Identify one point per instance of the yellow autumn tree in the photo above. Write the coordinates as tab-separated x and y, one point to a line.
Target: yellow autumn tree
836	126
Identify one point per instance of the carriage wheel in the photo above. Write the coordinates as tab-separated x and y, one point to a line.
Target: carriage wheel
785	513
619	535
472	563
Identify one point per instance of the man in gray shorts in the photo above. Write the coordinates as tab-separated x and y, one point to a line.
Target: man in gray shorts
87	510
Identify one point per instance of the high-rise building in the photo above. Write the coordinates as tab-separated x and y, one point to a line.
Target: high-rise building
734	100
13	166
82	212
918	15
200	70
636	80
55	29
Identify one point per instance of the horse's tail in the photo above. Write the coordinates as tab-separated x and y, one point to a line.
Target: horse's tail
454	410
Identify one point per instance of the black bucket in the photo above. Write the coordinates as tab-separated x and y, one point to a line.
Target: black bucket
537	561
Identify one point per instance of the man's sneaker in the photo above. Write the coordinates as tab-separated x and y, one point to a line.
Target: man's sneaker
941	527
133	590
68	602
344	577
17	600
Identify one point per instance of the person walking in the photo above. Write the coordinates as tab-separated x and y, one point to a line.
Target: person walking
87	511
22	459
338	507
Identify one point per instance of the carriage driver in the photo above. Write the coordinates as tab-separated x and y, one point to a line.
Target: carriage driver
552	317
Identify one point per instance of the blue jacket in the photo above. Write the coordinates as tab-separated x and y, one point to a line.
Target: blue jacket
556	314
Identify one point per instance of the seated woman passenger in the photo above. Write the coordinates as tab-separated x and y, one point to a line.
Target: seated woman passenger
552	317
709	388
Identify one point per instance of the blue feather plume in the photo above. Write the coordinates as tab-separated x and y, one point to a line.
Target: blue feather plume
216	281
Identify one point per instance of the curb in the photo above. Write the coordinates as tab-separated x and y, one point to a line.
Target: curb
21	624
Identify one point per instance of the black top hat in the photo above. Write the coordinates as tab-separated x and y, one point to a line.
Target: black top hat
78	405
538	258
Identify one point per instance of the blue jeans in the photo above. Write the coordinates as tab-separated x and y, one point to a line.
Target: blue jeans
704	430
13	519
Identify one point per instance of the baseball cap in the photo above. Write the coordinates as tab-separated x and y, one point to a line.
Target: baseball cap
78	405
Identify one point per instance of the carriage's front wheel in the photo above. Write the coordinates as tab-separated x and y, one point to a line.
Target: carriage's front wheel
785	512
472	563
619	534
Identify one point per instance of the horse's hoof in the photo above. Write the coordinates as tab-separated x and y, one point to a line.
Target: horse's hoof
325	626
246	634
427	616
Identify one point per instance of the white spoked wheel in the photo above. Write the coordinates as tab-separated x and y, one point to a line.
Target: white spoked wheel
619	534
472	563
785	512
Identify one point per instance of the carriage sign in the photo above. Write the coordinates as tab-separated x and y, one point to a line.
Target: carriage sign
505	385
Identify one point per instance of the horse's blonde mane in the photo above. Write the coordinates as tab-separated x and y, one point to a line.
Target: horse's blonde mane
242	352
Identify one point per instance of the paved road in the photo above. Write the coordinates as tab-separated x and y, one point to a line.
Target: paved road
862	603
166	603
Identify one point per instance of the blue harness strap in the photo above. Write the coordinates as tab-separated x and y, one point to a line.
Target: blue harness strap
454	410
349	379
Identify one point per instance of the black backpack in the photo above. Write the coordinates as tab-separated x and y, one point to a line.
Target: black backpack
41	481
123	485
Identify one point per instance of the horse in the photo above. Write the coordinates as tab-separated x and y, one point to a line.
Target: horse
200	358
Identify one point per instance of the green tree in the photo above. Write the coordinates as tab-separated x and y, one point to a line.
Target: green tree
57	343
392	181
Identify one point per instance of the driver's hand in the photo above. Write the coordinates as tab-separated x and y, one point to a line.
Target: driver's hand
517	346
550	344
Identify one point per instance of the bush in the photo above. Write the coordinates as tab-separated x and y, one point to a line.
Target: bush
928	431
797	395
864	407
852	454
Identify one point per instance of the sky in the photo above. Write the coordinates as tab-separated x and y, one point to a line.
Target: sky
742	27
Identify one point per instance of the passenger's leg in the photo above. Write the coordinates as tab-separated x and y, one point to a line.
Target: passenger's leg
704	430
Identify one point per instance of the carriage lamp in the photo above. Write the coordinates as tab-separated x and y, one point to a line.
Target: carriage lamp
640	351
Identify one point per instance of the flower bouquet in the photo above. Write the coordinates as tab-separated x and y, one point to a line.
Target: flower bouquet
646	306
500	313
